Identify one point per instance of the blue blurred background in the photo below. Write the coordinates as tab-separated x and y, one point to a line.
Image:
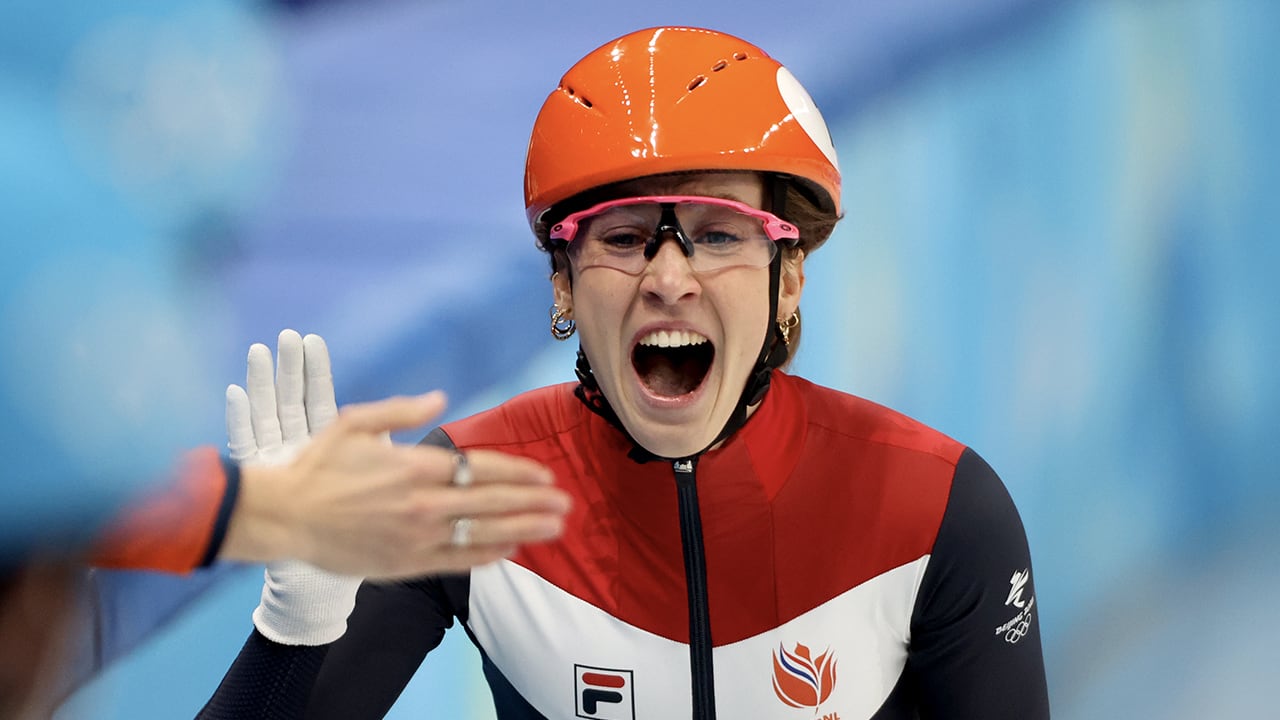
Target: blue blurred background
1058	248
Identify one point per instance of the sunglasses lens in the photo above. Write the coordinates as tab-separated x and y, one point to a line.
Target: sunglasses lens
713	236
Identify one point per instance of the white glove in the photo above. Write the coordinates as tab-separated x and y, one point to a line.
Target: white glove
268	425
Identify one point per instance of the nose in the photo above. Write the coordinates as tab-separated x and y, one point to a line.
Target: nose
668	277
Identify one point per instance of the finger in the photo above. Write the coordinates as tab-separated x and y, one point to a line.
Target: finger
239	427
493	467
397	413
322	408
290	388
514	529
493	500
437	466
261	388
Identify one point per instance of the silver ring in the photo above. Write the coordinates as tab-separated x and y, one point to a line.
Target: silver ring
461	536
461	470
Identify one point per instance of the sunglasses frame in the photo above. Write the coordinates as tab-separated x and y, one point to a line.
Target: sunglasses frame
775	228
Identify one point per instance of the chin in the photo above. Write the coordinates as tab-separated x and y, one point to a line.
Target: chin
672	447
673	440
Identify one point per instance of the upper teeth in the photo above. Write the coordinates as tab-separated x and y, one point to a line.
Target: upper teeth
672	338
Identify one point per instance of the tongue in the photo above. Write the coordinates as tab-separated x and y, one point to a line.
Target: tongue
672	372
663	378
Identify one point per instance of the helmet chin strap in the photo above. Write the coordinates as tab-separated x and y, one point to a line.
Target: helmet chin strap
772	354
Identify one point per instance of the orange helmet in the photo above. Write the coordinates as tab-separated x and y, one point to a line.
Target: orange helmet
674	99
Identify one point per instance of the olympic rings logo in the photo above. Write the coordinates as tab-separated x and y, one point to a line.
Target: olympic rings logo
1017	632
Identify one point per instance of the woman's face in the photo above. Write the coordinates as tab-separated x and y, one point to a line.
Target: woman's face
671	348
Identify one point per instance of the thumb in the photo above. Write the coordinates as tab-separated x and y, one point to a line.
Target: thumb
397	413
240	437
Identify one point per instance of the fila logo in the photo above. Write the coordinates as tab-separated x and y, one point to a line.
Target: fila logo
604	693
1017	583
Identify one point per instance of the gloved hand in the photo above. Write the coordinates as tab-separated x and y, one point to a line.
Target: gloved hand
268	425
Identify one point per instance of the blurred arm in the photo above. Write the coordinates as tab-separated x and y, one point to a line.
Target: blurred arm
180	528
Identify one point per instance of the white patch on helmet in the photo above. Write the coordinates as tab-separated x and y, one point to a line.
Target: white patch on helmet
806	113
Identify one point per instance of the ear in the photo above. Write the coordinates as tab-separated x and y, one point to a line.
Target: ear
562	293
790	283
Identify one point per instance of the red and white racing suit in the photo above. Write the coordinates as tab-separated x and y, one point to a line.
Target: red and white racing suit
832	559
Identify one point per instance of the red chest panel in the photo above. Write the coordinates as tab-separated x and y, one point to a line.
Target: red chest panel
818	493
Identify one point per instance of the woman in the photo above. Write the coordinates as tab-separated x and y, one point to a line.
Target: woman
743	543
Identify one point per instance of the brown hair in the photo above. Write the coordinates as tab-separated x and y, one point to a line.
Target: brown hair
815	225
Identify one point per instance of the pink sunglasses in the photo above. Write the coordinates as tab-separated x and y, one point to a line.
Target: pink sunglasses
774	227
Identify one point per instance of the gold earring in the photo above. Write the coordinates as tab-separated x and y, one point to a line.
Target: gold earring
786	327
562	328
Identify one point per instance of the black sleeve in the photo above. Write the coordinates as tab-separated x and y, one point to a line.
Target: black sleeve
975	632
268	680
392	628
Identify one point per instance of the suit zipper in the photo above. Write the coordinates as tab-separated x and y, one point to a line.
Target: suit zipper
701	672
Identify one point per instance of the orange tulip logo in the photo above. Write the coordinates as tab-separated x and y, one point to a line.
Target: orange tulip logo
802	681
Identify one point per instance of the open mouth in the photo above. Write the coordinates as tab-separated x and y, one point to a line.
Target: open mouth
672	363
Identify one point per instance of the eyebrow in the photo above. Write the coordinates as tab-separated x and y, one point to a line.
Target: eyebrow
678	191
723	196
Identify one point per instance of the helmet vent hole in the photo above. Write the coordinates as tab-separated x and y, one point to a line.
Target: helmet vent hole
574	94
720	66
697	82
739	56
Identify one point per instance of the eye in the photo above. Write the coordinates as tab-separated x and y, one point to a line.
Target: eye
623	238
718	238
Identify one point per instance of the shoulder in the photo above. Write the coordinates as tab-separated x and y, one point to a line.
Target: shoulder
980	510
885	473
526	418
837	415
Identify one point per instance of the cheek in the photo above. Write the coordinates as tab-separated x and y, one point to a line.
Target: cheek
600	306
744	311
